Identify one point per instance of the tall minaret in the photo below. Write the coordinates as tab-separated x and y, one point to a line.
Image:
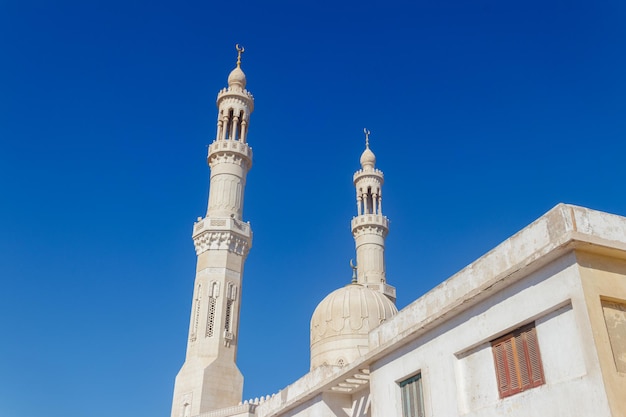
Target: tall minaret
370	227
209	379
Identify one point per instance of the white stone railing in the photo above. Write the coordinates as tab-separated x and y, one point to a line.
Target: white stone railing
222	234
256	401
370	219
373	172
230	145
222	224
227	90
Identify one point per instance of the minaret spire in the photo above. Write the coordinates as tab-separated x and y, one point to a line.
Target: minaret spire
240	50
209	379
370	226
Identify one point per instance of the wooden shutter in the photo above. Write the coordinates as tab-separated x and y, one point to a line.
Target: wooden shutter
517	361
534	359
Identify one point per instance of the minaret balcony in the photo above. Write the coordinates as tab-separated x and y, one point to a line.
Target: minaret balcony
230	146
230	151
222	224
222	234
234	92
375	173
370	220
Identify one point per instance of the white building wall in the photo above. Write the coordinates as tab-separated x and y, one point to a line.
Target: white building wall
456	361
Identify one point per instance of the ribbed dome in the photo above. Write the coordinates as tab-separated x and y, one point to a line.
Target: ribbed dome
368	159
237	77
342	321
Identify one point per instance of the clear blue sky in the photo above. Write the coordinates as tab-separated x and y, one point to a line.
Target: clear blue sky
484	115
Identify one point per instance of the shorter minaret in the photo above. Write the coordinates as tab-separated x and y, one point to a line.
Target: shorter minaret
370	227
341	322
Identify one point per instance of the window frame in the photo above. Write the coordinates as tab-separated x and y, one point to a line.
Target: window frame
517	361
412	396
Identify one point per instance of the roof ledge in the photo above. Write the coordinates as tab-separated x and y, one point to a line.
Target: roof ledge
562	229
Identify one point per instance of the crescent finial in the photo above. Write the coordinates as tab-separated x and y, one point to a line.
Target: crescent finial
367	137
240	50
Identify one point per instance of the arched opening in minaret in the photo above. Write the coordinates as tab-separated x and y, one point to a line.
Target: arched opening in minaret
369	202
239	132
229	125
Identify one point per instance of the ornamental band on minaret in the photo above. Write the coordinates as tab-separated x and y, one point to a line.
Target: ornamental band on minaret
209	379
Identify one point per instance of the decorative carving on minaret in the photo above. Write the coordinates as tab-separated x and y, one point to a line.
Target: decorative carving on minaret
214	292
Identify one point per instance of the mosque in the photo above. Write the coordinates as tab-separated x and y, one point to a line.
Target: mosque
537	326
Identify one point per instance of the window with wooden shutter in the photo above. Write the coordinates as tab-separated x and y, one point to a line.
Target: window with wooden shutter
517	361
412	397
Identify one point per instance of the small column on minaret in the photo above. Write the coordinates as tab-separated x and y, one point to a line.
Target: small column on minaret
244	130
370	226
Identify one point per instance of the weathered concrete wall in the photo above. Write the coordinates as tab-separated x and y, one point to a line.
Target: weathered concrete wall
604	279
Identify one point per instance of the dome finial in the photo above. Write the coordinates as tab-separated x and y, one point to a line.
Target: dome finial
237	79
240	50
368	159
353	267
